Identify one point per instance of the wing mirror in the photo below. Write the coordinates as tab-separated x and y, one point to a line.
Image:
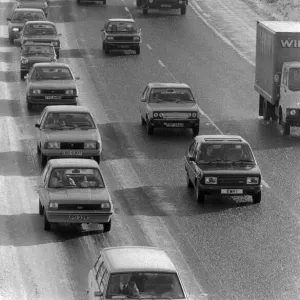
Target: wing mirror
37	125
98	294
191	158
8	19
143	100
277	77
102	29
59	34
77	78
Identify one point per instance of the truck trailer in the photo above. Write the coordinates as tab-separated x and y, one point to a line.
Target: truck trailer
277	72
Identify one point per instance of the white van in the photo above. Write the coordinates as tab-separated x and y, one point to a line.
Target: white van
134	272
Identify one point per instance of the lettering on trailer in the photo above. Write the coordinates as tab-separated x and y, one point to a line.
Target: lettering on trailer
290	43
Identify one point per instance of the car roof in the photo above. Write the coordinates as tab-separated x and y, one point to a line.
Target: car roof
66	108
137	259
292	64
28	9
51	64
40	22
218	138
167	85
121	20
73	163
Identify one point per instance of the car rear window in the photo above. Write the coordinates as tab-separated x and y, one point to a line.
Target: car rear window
51	73
39	29
29	16
121	27
35	49
171	94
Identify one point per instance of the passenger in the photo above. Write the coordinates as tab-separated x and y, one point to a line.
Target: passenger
85	183
133	290
59	180
124	280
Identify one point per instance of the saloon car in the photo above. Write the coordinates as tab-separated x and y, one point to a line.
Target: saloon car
169	105
19	17
68	131
41	32
51	83
222	165
32	53
73	191
121	34
41	4
145	5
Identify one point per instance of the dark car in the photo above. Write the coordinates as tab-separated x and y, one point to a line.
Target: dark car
41	4
18	19
222	165
51	84
145	5
41	32
32	53
121	34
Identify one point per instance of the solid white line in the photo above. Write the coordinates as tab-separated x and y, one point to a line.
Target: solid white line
197	5
161	63
126	8
206	15
149	47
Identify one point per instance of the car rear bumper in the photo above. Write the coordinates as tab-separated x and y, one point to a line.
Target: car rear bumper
78	217
67	153
40	100
217	190
122	45
165	5
293	120
176	123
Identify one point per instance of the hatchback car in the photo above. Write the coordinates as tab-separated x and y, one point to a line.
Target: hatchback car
41	4
41	32
19	17
121	34
68	131
169	105
51	83
134	272
222	165
74	191
32	53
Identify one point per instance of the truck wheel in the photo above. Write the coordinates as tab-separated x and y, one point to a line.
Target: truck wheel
266	111
38	149
256	198
107	226
29	105
97	159
47	224
183	10
106	50
41	208
22	74
261	106
145	11
57	54
286	128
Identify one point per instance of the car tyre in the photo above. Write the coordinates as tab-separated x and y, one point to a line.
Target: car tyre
188	181
44	159
22	74
29	105
200	196
104	2
11	40
38	149
150	128
97	159
145	11
183	10
107	226
138	50
106	50
143	121
57	54
286	128
196	130
41	208
256	198
47	224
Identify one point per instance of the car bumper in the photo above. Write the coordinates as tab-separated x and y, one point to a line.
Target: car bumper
217	190
40	100
76	217
176	123
122	45
166	5
65	153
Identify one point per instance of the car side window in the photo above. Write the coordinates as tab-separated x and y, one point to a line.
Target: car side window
104	281
145	92
98	263
43	117
192	149
45	173
100	272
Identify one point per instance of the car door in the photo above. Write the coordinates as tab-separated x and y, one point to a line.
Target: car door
144	101
191	165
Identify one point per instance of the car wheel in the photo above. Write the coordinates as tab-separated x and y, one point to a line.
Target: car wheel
200	196
57	54
104	2
107	226
145	11
44	159
138	50
256	198
38	149
183	10
196	130
106	50
150	128
286	128
97	159
188	181
143	121
11	40
22	74
29	105
41	208
47	224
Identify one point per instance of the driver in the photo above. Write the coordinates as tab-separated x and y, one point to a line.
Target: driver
59	180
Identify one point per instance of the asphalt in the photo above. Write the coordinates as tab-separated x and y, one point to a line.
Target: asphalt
227	248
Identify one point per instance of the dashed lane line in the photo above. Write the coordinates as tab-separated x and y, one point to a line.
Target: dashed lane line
161	63
148	46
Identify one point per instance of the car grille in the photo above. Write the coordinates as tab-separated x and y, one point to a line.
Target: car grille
65	145
240	180
41	41
167	1
175	115
123	38
79	207
53	92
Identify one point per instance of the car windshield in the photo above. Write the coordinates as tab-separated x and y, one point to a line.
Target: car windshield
20	16
29	50
76	178
51	73
69	120
294	79
158	95
145	285
121	27
233	153
39	29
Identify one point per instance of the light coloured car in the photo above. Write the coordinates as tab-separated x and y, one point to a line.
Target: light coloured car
41	4
134	272
19	17
169	105
68	131
51	83
74	191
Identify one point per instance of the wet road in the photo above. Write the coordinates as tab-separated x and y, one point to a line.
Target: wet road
225	249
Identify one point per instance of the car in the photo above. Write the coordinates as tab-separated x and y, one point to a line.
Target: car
134	272
51	83
73	190
32	53
68	131
41	4
145	5
169	105
19	17
41	32
121	34
222	165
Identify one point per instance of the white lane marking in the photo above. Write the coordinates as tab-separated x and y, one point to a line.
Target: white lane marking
149	47
206	15
3	31
265	184
55	6
126	8
198	6
161	63
224	39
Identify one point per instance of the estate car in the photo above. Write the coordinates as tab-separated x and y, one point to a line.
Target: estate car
68	131
169	105
73	191
222	165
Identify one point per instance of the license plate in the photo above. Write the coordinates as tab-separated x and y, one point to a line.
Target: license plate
52	97
124	46
174	124
231	192
72	217
165	5
72	152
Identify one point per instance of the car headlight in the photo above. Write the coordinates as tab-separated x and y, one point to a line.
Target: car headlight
36	91
52	145
53	205
292	112
110	38
91	145
15	29
70	92
136	38
55	44
161	115
105	205
211	180
252	180
155	115
194	115
24	61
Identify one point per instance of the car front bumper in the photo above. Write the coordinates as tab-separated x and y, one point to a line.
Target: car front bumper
293	120
175	123
40	100
78	217
69	153
217	190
